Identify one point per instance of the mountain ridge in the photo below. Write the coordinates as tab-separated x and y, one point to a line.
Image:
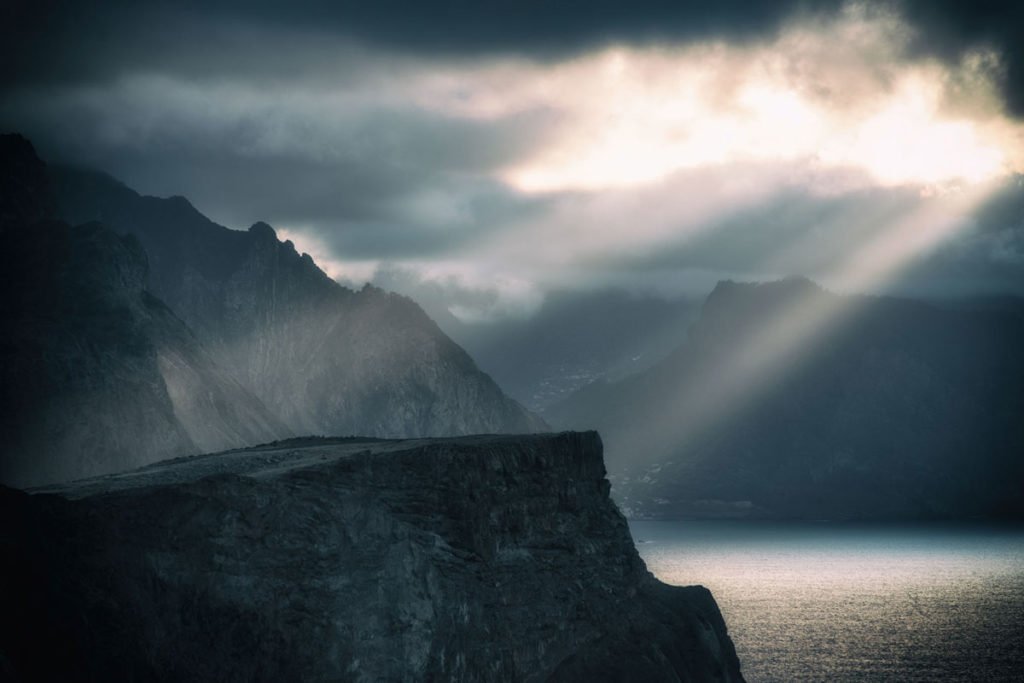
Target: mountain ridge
790	401
247	342
317	353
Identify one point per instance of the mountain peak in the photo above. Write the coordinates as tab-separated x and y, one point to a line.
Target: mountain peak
789	282
24	189
783	289
16	143
261	229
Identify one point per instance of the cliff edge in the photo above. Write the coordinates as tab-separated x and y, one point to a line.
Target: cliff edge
498	558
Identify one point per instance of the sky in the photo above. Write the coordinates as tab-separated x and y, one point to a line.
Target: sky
500	151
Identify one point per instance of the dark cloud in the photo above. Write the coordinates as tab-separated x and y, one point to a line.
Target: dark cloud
470	213
61	39
70	40
378	182
948	28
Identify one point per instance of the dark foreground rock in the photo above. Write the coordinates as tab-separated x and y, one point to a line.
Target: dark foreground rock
469	559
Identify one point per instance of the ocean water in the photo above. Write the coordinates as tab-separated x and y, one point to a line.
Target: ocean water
840	602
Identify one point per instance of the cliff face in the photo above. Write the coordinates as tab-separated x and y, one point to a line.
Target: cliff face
326	359
478	558
878	407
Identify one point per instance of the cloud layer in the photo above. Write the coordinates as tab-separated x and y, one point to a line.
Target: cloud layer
647	147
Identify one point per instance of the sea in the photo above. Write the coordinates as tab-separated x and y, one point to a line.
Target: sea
851	602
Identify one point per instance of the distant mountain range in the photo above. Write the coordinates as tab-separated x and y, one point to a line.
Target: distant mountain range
789	401
150	331
574	339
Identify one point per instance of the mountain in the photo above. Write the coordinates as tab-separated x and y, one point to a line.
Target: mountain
96	374
573	339
325	358
497	558
790	401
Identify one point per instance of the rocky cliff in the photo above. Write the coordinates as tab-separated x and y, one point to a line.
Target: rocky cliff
326	359
468	559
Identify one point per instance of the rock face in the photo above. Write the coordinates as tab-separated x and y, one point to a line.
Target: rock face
878	407
469	559
326	359
96	374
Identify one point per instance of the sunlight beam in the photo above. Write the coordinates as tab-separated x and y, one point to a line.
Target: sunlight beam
739	377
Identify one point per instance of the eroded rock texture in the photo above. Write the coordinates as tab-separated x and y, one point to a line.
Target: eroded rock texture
469	559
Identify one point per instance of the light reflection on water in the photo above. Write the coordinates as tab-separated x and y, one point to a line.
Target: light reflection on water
835	602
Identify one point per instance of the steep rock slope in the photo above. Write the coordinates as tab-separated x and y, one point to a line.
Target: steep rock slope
96	374
573	339
788	400
480	558
327	359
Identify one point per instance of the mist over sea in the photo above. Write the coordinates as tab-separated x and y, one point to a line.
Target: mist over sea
843	602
